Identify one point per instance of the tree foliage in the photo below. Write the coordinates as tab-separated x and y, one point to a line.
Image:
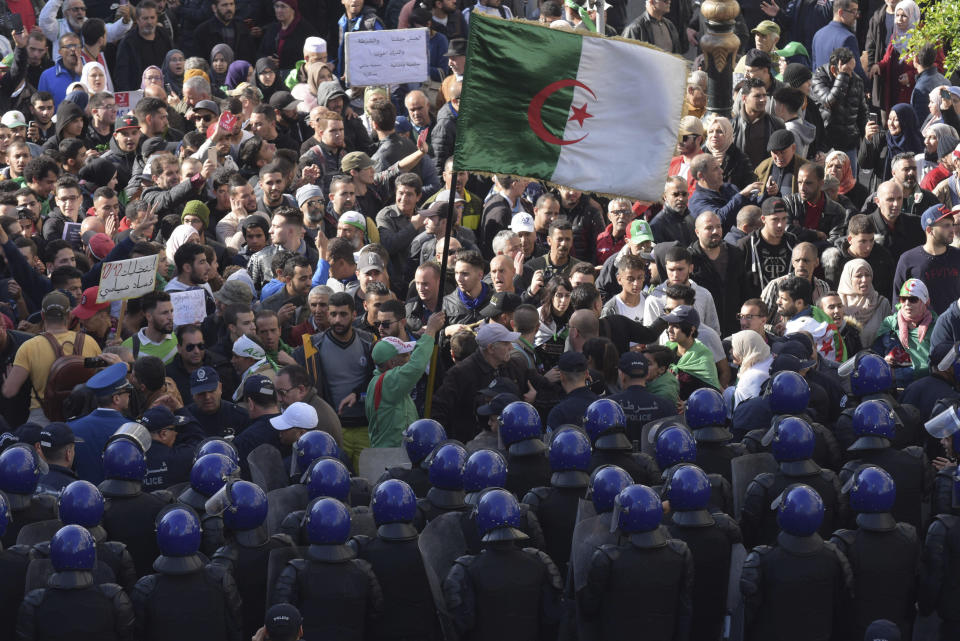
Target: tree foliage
940	25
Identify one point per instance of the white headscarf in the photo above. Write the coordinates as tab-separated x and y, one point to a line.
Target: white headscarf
901	38
178	238
85	76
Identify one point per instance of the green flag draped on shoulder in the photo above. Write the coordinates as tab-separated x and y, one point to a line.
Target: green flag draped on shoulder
591	113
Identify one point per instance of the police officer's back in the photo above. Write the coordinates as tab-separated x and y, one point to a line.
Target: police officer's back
209	473
186	597
605	424
419	439
13	567
172	450
338	594
645	583
20	472
799	588
446	493
522	434
639	406
577	396
674	445
72	606
884	555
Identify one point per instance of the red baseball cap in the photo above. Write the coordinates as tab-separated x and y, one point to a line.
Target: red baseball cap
100	245
88	304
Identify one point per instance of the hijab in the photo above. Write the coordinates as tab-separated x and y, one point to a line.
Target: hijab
750	347
237	73
218	79
859	307
286	33
175	81
143	78
262	65
727	140
178	238
899	39
85	75
847	180
909	140
314	80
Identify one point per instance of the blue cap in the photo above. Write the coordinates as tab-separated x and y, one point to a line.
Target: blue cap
28	433
55	435
204	379
683	314
160	418
259	387
634	364
283	622
109	380
572	362
883	630
933	215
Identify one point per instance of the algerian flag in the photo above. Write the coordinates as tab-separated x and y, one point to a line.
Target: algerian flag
591	113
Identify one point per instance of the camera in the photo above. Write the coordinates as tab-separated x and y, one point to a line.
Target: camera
93	362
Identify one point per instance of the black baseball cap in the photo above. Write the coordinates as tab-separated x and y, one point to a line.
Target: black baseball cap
500	385
501	303
773	206
283	622
572	362
634	364
683	314
55	435
496	404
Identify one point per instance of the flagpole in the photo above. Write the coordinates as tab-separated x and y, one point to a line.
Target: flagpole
451	217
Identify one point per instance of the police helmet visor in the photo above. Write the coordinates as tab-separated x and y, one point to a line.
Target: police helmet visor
136	433
944	424
220	502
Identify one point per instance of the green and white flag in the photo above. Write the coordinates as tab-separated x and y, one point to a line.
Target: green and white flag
590	113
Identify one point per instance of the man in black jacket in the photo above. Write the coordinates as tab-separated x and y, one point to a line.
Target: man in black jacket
813	216
838	91
224	27
142	47
718	267
653	27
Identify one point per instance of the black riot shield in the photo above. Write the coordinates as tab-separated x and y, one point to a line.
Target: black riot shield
266	468
38	532
283	501
279	558
374	460
733	625
441	543
743	470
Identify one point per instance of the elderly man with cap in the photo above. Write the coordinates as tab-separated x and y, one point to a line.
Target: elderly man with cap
576	395
297	419
766	35
691	137
779	172
112	391
250	359
400	366
639	405
217	416
172	449
94	317
58	444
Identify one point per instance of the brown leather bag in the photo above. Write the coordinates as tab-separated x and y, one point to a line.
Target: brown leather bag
66	372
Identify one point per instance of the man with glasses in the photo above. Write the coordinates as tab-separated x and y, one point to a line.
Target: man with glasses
68	199
293	386
191	356
936	262
654	27
74	17
839	32
57	78
103	111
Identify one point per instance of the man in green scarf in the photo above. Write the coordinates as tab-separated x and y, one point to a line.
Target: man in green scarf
695	368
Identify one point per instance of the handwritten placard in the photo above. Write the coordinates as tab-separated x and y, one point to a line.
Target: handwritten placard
127	100
127	278
188	307
387	57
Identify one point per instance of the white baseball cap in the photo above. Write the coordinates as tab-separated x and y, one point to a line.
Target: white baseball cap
495	333
13	119
299	415
521	222
246	347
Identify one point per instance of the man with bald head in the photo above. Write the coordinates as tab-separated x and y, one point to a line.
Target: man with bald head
718	267
895	232
803	262
584	325
502	273
418	111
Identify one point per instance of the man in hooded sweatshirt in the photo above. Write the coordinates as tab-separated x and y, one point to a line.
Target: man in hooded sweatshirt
355	137
788	104
70	123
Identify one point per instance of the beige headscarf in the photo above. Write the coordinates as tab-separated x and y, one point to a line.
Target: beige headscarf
860	308
750	348
727	140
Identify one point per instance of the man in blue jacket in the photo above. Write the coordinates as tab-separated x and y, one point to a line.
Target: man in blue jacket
839	32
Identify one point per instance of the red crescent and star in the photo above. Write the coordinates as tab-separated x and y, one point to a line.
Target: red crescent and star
535	118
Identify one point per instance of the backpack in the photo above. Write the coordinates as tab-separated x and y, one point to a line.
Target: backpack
66	372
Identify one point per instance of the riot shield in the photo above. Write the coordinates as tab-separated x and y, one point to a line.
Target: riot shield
441	543
743	470
283	501
178	488
588	535
361	522
734	622
38	532
278	560
266	468
360	491
374	460
585	509
647	443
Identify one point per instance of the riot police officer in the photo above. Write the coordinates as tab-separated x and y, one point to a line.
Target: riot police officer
171	454
521	433
216	445
419	439
802	576
72	605
311	446
675	445
643	584
246	553
13	569
706	416
446	493
208	474
939	585
504	593
884	554
556	505
187	597
129	513
338	594
20	471
712	539
792	446
410	611
874	424
606	424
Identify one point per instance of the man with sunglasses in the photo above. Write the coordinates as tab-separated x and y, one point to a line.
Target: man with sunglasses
192	354
691	136
202	114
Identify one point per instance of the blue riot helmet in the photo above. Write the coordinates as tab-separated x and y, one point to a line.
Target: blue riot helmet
869	374
446	465
872	494
792	443
421	437
216	445
178	537
688	490
570	458
5	516
521	429
328	522
243	506
799	510
210	472
124	467
674	444
602	416
20	471
328	477
80	503
788	393
706	415
311	446
73	548
499	517
394	507
875	425
605	483
637	509
484	468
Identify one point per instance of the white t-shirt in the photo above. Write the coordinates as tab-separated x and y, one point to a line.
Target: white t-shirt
633	313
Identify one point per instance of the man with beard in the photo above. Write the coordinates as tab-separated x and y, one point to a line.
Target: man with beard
915	199
263	123
103	113
723	199
37	59
297	272
586	216
767	250
123	147
424	245
169	193
145	46
193	270
558	261
57	78
75	14
718	267
273	184
94	317
935	262
223	27
243	203
287	233
318	321
343	198
156	338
